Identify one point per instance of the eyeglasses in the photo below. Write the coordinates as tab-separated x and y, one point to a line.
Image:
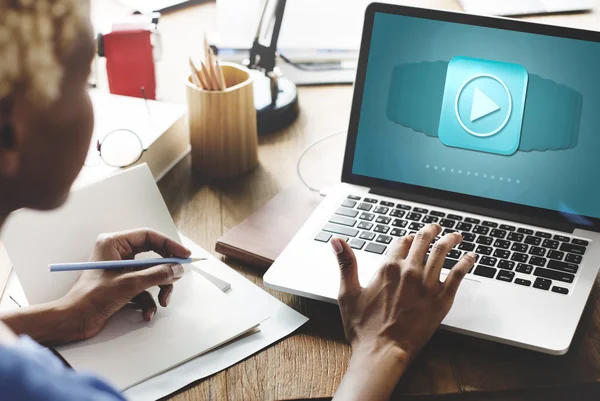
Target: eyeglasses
119	148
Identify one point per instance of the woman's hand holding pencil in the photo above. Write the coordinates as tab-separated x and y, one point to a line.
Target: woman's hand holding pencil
210	77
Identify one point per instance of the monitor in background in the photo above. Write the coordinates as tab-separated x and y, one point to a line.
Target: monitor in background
493	113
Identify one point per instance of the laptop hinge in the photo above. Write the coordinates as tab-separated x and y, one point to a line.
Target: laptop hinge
517	218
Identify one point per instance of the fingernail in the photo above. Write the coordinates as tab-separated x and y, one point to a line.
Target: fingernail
177	271
472	255
151	315
168	298
337	246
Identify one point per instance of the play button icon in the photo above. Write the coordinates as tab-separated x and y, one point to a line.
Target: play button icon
482	105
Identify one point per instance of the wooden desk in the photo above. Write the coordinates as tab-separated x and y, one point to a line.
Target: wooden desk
311	363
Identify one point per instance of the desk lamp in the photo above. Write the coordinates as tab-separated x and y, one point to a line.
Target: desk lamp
275	97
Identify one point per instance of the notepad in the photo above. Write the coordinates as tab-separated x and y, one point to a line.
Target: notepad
128	350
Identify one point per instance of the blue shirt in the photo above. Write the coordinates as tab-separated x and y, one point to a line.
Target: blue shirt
29	372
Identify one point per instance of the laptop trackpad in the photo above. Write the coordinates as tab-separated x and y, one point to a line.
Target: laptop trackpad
462	309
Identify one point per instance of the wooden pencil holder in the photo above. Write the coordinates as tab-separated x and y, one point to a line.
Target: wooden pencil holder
223	131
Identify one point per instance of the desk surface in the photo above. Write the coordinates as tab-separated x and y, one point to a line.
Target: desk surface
310	363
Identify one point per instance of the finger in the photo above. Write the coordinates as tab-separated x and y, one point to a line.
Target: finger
141	280
399	248
146	302
421	243
144	240
164	296
456	275
437	256
349	283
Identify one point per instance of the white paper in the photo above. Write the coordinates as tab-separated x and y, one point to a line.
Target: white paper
283	321
34	239
129	350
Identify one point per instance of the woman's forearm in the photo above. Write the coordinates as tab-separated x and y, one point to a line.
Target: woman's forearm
372	374
50	323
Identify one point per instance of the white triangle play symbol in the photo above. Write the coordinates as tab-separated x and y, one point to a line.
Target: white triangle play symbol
482	105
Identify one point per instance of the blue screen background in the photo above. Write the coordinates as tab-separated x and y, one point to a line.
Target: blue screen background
561	180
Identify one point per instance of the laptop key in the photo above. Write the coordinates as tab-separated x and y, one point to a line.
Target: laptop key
375	248
367	216
468	237
519	257
553	275
472	220
515	237
342	211
383	220
563	267
416	226
349	203
371	200
344	221
519	248
357	243
385	203
501	253
381	229
363	225
454	217
498	233
454	254
570	248
485	271
414	216
403	207
369	236
562	238
323	237
365	207
556	255
537	261
466	246
437	214
384	239
573	258
381	210
580	242
560	290
484	250
505	275
521	281
537	251
400	223
420	210
506	264
533	240
488	261
447	223
524	268
485	240
448	231
481	230
548	243
542	284
525	231
430	219
464	226
543	234
336	229
506	227
397	213
489	224
398	232
502	244
354	197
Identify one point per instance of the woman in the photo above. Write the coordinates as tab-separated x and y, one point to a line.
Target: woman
46	123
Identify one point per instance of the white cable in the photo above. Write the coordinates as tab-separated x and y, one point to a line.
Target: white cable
309	147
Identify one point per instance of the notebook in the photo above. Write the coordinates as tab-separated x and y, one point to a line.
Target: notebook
129	350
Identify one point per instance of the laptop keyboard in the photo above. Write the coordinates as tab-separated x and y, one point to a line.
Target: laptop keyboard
517	255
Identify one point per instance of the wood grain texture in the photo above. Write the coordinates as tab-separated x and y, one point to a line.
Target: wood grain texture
310	363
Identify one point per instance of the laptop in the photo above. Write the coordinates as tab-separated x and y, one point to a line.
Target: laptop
525	7
489	127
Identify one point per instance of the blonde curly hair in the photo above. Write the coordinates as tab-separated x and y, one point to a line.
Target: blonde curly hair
36	36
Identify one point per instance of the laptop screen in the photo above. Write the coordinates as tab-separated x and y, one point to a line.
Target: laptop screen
499	114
